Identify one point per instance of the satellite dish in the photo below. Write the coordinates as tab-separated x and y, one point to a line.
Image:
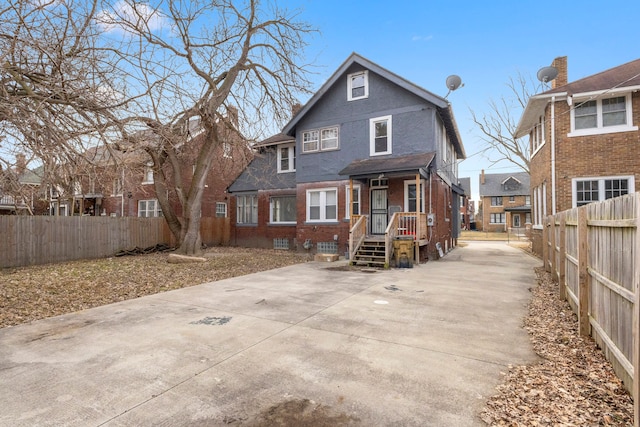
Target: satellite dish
546	74
453	82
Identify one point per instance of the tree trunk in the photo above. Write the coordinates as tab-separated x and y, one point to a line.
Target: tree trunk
191	239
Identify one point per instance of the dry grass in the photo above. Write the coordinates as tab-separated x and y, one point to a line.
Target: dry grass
37	292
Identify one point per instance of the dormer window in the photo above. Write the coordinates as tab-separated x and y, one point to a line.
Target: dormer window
357	86
511	184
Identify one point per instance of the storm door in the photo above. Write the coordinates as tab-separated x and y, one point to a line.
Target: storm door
379	216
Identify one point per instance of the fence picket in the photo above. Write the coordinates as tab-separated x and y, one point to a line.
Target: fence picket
32	240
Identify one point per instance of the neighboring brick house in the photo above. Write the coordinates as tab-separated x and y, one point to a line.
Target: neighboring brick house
116	183
20	192
506	201
584	138
467	206
349	163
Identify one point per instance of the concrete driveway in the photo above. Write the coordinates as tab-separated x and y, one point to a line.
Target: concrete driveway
301	345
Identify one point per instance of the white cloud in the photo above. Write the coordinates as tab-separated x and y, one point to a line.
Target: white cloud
421	38
132	13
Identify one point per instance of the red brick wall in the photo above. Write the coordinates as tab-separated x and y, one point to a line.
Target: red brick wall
611	154
262	234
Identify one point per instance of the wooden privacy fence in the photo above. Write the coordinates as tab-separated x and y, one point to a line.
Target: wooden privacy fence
32	240
594	253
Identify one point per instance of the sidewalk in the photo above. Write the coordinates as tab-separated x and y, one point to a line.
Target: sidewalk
411	347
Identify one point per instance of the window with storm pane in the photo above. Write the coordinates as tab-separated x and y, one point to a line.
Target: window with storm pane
283	209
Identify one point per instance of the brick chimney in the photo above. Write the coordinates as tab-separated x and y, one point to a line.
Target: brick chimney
295	108
482	177
560	63
21	163
232	115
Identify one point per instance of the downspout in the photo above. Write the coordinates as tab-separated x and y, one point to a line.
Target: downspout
122	195
553	155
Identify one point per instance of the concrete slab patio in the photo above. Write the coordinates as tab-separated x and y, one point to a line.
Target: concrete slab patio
411	347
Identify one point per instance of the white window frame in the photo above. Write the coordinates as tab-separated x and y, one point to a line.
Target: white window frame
148	174
291	150
372	135
496	199
221	210
356	188
409	182
227	150
601	186
310	137
149	212
502	217
600	128
241	206
315	136
272	218
323	205
323	140
117	187
350	78
538	135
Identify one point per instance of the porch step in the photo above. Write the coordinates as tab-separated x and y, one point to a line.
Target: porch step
370	254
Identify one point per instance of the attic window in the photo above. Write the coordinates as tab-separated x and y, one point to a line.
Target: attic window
511	184
357	86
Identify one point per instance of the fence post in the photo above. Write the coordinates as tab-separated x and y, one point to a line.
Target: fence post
636	322
583	297
545	243
562	256
552	247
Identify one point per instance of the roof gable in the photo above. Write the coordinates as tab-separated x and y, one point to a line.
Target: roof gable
441	104
505	184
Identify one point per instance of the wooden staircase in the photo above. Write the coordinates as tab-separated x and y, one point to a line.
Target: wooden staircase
370	253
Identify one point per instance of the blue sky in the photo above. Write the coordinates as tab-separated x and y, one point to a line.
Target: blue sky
484	42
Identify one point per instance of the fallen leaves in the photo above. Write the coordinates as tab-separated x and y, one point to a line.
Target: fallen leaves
573	384
36	292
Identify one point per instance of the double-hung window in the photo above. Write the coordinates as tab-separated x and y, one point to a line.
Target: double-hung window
357	86
321	139
148	174
247	209
354	200
149	208
380	133
283	210
587	190
310	141
221	210
497	218
602	115
411	196
322	205
496	200
537	135
287	158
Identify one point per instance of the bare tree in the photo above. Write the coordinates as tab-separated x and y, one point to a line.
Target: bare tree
498	126
150	77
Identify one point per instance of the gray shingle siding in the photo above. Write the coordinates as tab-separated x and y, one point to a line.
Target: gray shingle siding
261	174
412	126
